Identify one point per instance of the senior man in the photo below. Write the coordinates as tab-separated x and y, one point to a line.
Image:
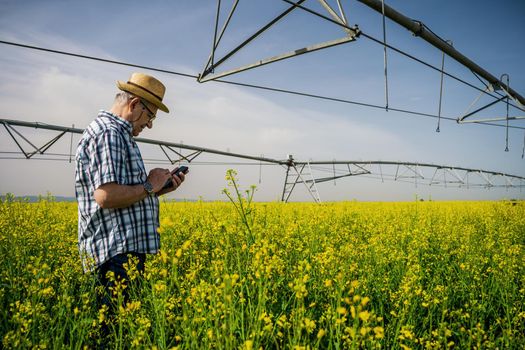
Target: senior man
118	208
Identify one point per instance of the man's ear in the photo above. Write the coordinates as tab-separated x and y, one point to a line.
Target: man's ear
134	101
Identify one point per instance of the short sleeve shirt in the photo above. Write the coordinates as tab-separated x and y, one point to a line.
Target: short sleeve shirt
107	153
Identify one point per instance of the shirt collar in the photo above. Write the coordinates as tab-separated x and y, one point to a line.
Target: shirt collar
122	122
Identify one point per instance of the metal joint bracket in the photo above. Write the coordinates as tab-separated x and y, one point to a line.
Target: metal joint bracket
492	87
188	158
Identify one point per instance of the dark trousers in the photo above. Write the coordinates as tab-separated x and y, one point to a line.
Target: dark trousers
118	265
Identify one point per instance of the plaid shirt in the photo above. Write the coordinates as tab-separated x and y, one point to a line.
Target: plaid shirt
107	153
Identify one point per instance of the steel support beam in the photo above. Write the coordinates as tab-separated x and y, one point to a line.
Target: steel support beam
37	125
419	29
277	58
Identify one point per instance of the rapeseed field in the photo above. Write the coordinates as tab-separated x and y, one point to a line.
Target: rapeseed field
245	275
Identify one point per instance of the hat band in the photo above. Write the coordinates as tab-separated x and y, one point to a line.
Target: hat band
143	88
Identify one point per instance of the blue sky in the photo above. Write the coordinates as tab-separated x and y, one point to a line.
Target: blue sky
177	35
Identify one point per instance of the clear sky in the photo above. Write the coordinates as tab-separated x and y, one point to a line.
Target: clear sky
177	35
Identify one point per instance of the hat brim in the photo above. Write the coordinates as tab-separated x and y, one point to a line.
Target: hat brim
144	94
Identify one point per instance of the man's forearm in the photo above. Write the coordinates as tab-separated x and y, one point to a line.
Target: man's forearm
113	195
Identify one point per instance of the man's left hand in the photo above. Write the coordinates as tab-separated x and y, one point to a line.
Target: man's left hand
176	181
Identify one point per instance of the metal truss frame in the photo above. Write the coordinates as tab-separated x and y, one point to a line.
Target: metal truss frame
208	73
418	28
508	96
419	173
298	176
297	172
37	150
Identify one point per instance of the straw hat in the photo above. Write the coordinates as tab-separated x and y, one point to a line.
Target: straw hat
146	87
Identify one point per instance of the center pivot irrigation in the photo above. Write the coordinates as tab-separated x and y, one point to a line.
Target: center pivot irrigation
297	172
498	89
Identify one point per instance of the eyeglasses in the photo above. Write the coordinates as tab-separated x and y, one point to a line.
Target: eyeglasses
151	115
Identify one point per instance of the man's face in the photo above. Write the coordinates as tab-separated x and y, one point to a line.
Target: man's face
144	114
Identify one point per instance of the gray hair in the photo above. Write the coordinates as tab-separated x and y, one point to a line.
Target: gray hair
123	97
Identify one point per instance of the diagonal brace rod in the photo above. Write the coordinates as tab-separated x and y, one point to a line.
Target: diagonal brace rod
247	41
281	57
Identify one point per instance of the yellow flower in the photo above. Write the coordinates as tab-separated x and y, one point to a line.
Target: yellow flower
49	291
186	245
364	315
379	332
321	333
159	287
309	324
248	345
364	330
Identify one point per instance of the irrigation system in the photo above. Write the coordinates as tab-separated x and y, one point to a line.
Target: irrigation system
297	172
499	89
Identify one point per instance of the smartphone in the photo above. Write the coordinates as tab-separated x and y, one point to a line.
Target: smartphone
182	169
